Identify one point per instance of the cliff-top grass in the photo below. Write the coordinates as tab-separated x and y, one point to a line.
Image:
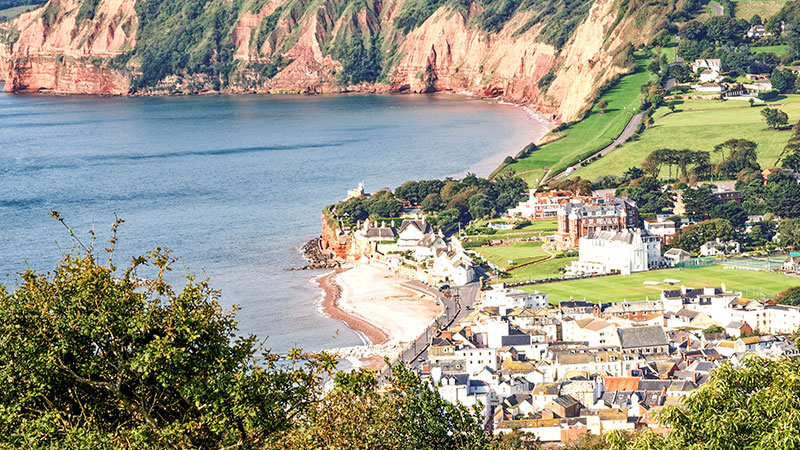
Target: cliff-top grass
745	9
615	288
700	125
589	135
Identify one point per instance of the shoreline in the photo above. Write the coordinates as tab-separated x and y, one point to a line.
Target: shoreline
331	296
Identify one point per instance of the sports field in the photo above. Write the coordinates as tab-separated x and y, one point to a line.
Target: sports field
589	135
621	287
700	125
518	252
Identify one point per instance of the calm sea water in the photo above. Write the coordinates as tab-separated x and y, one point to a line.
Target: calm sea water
234	185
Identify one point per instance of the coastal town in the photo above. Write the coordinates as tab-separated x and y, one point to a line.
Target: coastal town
531	360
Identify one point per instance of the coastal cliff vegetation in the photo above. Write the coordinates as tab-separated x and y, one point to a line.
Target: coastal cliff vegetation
448	204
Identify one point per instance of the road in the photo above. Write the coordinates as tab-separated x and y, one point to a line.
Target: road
626	134
458	306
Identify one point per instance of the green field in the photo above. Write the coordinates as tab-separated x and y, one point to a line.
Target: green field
12	13
540	271
619	287
589	135
518	252
700	125
745	9
670	50
780	50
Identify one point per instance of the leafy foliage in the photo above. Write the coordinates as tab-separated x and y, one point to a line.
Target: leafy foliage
407	414
694	236
90	358
359	64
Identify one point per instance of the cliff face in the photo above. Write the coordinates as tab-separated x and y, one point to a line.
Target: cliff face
72	46
67	47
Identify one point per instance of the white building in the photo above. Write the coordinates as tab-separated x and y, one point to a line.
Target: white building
713	64
675	255
664	229
717	247
454	267
507	299
709	76
624	252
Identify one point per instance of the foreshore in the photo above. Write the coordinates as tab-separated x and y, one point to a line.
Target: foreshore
330	306
373	302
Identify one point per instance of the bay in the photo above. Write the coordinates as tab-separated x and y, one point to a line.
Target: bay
234	185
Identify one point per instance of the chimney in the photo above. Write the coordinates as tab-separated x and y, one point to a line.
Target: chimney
683	289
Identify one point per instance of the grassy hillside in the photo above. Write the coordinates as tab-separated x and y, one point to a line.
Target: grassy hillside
589	135
746	9
700	125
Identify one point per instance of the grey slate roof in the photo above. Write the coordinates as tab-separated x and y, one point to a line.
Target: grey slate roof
637	337
517	339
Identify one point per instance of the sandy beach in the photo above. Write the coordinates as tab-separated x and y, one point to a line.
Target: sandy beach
372	301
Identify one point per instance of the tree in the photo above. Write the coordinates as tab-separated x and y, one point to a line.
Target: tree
384	207
479	206
790	296
779	82
789	233
761	233
602	105
694	236
357	413
774	118
781	194
742	156
432	203
92	357
699	202
753	406
632	173
730	211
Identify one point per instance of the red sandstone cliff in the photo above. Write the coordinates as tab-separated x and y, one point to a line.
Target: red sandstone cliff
56	52
50	50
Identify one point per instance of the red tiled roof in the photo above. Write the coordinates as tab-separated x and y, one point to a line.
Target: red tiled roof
621	383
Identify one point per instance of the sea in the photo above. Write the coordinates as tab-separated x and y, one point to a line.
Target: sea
232	185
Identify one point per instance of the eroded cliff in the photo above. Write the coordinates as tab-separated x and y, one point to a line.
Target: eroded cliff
239	46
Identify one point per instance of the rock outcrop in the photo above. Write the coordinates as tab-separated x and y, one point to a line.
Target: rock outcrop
285	46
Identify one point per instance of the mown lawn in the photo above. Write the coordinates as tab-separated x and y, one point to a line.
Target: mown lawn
589	135
540	271
538	228
670	50
780	50
700	125
518	252
620	287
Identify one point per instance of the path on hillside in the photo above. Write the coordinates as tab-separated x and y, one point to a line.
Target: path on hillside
626	134
718	10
